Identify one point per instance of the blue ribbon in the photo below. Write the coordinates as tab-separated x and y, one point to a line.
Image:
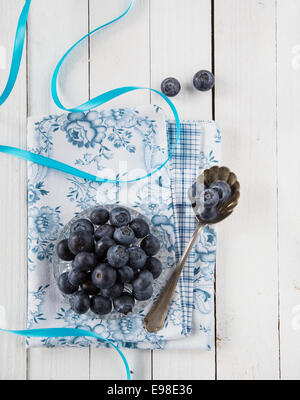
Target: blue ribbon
93	103
68	332
17	53
54	164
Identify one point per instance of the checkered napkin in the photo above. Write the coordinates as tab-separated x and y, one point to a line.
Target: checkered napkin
198	149
121	140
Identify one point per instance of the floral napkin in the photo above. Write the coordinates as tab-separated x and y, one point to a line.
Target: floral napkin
121	144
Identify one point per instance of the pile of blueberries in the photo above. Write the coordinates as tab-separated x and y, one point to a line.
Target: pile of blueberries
206	200
106	258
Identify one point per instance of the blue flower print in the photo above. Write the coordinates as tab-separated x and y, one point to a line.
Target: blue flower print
218	136
35	191
203	300
174	315
43	227
121	138
43	223
206	247
69	317
127	329
120	118
82	192
84	130
206	161
36	298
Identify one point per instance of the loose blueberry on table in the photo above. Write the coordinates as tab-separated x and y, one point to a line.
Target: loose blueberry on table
113	263
204	81
170	87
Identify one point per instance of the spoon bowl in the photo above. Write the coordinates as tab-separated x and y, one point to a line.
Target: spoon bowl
226	208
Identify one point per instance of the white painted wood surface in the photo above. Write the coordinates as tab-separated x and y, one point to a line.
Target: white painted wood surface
288	43
254	47
247	259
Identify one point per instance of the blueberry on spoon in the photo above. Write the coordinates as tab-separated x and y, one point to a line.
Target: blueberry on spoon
223	189
209	198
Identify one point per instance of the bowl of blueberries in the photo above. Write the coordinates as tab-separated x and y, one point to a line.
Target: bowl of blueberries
108	262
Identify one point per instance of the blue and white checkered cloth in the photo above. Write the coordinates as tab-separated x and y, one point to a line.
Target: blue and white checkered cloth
197	150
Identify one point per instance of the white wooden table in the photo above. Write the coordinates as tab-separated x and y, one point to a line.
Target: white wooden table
254	49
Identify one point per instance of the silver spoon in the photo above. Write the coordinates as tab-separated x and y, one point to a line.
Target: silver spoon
155	319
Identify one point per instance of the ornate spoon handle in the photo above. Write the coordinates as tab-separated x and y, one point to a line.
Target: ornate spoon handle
155	319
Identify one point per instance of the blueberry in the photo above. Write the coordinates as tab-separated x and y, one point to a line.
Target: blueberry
102	246
101	305
223	189
125	274
204	81
81	241
136	274
154	266
150	245
170	87
104	276
137	257
119	216
80	303
192	193
140	228
82	225
114	291
208	214
77	277
104	231
124	304
144	279
99	216
209	198
195	191
89	288
124	235
64	284
117	256
145	294
84	261
63	251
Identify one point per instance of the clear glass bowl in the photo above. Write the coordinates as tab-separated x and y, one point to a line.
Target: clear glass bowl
60	266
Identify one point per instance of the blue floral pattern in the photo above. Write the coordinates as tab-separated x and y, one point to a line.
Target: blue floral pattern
95	141
43	227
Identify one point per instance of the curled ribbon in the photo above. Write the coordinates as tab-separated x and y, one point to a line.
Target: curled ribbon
67	332
54	164
17	53
93	103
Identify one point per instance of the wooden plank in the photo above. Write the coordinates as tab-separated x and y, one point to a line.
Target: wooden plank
247	278
288	34
53	27
13	205
181	46
120	57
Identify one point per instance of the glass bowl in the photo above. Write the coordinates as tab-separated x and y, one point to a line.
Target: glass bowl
60	266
